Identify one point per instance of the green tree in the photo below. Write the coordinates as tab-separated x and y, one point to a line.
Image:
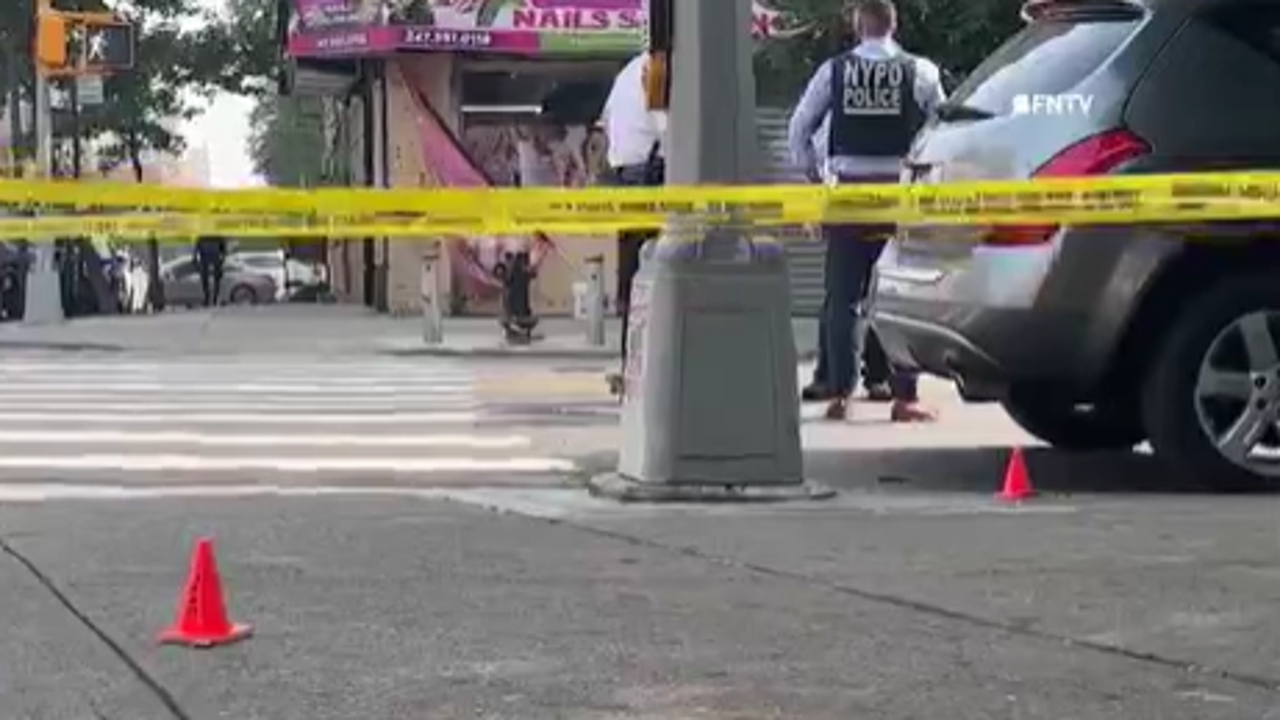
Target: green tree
242	45
145	106
956	35
287	141
15	66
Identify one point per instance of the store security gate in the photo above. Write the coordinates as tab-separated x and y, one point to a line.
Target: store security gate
804	254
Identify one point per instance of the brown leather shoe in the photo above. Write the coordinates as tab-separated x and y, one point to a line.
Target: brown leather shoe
905	412
838	409
879	393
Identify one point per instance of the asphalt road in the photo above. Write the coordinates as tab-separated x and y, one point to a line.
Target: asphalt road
472	589
392	609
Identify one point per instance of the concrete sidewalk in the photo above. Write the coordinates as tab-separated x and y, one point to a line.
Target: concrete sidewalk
318	330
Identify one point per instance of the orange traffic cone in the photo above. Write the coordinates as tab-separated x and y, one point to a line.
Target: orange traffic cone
1017	481
202	614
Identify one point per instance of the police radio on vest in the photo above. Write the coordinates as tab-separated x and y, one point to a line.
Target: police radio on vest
873	87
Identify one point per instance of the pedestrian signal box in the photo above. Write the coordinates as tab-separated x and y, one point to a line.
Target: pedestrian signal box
51	40
76	43
107	48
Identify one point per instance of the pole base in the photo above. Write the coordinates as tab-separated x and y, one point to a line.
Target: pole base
616	487
44	298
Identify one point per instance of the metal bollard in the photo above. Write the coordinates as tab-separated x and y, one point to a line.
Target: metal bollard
595	301
432	315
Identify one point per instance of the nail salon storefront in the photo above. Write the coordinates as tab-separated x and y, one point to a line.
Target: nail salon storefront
472	93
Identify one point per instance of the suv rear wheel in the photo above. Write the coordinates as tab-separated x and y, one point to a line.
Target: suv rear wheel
1110	425
1212	398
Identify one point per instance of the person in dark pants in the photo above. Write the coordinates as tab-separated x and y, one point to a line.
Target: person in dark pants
210	259
875	364
872	99
852	252
635	155
630	243
875	369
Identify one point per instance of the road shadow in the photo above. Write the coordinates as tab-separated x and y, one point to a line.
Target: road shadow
978	471
981	470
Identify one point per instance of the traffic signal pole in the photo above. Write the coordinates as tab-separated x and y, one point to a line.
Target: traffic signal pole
108	47
711	409
43	293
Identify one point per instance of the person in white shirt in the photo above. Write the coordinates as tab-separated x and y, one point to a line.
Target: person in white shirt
636	137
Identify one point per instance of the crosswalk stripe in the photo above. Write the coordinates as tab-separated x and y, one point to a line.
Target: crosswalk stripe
313	388
181	463
254	404
95	400
353	376
109	437
319	417
245	418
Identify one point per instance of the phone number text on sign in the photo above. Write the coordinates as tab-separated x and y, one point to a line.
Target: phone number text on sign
439	38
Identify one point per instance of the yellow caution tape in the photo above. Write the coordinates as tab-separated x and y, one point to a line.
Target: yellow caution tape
184	227
73	208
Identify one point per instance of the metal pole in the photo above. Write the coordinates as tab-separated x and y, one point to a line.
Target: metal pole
43	125
43	294
369	162
384	181
712	118
77	154
595	301
710	411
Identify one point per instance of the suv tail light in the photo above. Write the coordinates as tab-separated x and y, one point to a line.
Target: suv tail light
1095	155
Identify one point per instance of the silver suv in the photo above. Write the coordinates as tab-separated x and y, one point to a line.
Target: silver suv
1103	337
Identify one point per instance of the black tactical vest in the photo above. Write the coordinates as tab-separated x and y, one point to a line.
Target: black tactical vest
874	111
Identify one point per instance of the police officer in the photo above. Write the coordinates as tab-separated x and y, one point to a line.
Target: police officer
210	257
873	99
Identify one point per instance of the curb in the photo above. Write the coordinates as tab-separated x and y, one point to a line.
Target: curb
60	346
530	352
507	353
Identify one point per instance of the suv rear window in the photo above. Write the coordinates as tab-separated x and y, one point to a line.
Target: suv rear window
1049	56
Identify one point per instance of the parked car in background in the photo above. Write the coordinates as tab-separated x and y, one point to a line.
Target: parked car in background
241	285
1103	337
294	279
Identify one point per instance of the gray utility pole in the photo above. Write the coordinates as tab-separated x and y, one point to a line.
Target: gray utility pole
43	294
711	409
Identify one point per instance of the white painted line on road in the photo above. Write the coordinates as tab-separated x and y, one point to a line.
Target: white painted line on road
59	376
240	418
115	437
68	389
187	463
244	360
46	492
249	405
